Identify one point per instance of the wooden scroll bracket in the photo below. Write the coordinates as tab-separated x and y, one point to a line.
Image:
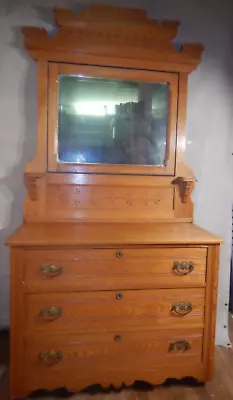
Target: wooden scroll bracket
31	183
185	186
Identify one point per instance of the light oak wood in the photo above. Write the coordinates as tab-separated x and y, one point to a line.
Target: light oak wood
39	163
170	204
103	198
81	353
92	345
117	379
112	198
220	387
182	208
71	234
111	282
102	270
211	305
113	36
102	203
114	310
145	309
17	324
106	180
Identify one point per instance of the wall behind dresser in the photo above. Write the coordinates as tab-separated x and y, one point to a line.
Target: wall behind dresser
209	127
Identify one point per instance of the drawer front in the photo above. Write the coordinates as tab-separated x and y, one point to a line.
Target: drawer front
64	360
161	308
109	269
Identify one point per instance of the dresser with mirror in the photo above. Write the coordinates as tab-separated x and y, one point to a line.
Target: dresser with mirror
111	281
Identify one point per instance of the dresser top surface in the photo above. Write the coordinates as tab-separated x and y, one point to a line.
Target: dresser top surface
97	234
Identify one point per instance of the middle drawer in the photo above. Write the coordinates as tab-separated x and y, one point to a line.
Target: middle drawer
162	308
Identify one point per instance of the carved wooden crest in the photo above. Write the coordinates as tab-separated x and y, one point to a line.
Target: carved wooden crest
116	36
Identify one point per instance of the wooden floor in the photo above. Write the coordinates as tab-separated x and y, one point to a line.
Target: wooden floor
221	388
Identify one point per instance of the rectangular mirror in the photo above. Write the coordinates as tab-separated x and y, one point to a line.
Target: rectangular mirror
112	121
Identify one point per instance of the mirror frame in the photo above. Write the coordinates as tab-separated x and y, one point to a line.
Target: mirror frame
54	165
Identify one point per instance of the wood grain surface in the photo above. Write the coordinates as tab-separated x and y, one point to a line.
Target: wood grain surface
100	358
90	234
114	310
108	257
219	388
100	269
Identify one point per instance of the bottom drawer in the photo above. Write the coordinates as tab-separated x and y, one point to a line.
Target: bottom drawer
76	361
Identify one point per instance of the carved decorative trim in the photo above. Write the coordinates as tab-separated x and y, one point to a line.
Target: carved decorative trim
186	187
120	384
30	181
109	31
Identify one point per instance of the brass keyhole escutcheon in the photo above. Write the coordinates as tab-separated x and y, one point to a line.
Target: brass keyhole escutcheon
119	254
119	296
117	338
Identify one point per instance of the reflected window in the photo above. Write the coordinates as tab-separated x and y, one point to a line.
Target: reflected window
109	121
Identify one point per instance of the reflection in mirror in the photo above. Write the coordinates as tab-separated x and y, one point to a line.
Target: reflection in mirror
106	121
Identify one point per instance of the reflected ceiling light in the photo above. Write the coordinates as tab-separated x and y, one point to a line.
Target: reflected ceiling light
95	108
80	158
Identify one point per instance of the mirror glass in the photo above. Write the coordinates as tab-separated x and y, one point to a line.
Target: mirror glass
110	121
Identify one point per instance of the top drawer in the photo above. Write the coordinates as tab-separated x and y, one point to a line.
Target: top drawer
108	269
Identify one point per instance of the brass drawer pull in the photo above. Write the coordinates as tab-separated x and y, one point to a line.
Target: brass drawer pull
50	357
181	345
119	296
117	338
51	270
183	267
181	308
119	254
51	313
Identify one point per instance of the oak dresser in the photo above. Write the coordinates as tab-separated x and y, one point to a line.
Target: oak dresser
111	282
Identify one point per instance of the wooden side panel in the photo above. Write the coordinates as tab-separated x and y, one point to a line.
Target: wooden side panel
183	206
211	305
39	163
17	360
